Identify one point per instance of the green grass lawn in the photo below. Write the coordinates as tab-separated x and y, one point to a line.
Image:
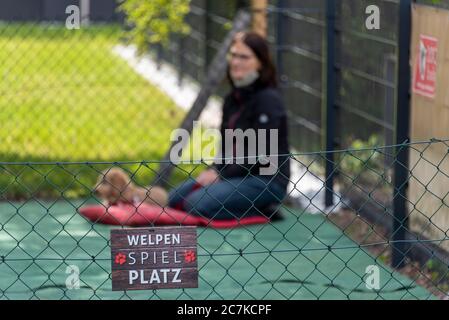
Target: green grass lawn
65	96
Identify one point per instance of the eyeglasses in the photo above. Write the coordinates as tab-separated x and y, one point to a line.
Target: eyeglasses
234	55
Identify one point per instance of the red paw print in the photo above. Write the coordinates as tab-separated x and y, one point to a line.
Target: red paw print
189	256
120	258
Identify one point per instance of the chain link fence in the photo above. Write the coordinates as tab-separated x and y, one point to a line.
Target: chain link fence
74	103
328	254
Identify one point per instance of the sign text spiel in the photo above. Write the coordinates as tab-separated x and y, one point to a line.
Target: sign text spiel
154	258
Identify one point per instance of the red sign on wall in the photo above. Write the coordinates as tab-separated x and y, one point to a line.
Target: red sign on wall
424	80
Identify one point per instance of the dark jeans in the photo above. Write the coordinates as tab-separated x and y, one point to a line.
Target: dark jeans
227	199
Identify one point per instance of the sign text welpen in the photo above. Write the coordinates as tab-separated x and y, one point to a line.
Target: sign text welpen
154	258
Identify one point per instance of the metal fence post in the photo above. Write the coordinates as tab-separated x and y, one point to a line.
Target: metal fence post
390	98
330	100
207	36
181	61
281	6
400	222
85	12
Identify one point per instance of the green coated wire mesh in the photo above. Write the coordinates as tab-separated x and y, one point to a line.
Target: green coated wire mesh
303	255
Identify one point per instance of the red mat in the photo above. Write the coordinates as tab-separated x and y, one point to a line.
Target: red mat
145	215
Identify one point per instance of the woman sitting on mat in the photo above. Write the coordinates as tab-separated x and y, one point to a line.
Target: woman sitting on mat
232	190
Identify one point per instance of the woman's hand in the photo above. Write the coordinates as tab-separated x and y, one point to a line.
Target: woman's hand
208	177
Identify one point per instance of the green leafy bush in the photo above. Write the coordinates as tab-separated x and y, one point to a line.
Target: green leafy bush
152	21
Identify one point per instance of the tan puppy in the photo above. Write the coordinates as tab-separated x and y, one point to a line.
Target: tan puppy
114	185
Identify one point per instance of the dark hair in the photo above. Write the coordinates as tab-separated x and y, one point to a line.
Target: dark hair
259	46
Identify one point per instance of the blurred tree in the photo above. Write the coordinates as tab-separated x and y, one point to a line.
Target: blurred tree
152	21
259	8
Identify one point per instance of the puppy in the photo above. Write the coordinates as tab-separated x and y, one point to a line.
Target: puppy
115	186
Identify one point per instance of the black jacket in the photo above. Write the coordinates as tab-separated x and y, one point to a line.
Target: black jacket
254	107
